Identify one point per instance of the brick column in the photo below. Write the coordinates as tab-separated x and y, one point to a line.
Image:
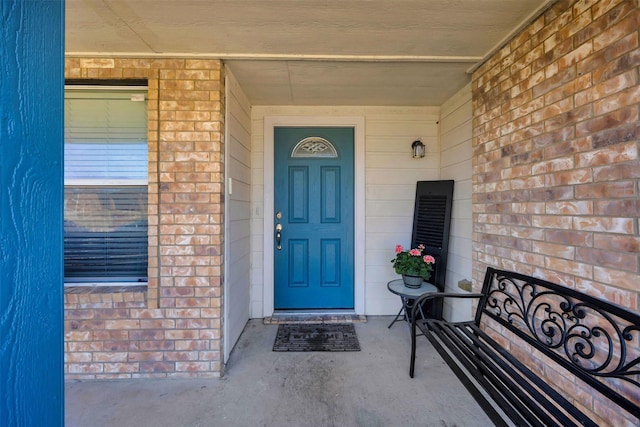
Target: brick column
190	168
556	165
175	327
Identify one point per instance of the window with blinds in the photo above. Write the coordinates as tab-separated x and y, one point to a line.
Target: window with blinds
105	194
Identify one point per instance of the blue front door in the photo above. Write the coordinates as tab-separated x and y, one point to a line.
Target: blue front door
313	218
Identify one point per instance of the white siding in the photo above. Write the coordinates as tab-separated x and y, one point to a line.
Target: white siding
455	140
238	212
390	179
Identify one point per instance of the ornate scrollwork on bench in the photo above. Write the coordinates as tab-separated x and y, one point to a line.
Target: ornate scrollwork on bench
597	338
543	353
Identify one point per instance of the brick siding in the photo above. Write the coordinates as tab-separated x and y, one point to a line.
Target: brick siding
174	328
556	133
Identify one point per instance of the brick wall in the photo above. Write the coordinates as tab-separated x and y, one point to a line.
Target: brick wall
174	327
556	171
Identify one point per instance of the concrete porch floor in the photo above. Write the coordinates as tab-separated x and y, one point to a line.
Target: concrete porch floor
265	388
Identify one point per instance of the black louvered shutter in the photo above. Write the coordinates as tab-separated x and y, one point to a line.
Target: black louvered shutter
431	223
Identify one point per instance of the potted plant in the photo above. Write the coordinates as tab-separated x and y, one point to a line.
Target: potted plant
413	265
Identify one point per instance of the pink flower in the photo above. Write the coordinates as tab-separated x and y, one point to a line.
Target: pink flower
414	252
429	259
421	247
399	249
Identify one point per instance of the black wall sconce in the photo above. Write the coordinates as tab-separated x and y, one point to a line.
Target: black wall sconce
418	149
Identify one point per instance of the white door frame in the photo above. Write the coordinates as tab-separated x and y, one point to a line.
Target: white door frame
358	124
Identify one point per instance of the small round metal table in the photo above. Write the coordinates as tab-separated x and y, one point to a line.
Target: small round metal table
408	296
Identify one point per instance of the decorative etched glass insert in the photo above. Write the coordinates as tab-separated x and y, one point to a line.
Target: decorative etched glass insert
314	146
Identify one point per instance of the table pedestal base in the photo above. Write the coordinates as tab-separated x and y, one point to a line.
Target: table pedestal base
408	296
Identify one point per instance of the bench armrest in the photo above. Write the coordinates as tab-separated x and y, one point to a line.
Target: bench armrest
415	310
434	295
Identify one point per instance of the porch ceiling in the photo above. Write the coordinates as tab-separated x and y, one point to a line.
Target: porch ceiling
311	52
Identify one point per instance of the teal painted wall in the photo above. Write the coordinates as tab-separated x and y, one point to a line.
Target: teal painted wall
31	186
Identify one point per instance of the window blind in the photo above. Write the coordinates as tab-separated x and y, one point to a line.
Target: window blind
105	203
105	234
105	136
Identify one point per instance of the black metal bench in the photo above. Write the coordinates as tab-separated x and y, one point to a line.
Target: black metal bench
572	337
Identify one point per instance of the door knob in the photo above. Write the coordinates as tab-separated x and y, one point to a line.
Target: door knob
278	236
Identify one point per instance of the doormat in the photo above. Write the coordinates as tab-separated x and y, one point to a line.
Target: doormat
309	318
316	337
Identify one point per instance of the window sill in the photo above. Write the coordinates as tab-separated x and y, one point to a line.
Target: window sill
103	289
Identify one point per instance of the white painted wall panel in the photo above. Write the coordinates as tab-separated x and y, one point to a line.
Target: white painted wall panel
237	297
402	176
407	129
241	175
457	135
460	247
455	140
239	152
458	172
241	136
461	227
385	161
457	154
394	222
460	209
240	212
456	111
390	179
389	192
257	216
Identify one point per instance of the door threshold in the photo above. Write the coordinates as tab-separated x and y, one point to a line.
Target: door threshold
314	316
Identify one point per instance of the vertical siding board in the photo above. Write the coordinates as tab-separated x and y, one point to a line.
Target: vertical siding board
31	134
